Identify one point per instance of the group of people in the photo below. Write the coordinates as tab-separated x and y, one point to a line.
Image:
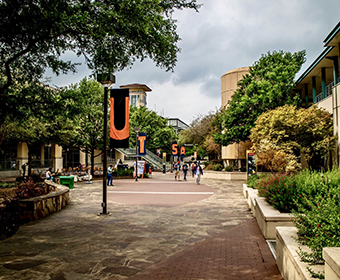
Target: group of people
196	170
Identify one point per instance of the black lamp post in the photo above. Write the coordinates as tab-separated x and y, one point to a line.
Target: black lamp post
106	80
136	129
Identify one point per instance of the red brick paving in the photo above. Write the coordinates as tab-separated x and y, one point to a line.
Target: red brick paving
238	253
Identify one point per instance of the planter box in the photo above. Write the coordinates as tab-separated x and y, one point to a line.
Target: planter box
269	218
287	258
250	194
224	175
331	256
38	207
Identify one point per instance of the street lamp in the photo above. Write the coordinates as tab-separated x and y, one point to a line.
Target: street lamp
136	129
106	80
171	157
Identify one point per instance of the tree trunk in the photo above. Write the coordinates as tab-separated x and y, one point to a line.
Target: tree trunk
92	161
29	160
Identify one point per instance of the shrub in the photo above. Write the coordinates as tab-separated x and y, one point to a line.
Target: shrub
279	191
318	215
210	166
4	185
29	189
229	168
218	167
123	173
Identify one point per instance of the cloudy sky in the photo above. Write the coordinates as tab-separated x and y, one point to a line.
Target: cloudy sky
224	35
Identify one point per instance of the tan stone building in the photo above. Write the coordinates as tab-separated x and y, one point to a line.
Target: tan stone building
234	154
138	94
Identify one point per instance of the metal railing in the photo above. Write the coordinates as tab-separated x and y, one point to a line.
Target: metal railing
329	90
150	157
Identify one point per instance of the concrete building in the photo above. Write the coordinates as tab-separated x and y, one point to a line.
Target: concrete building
320	83
177	124
234	154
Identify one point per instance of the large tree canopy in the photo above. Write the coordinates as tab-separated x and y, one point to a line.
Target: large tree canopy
281	135
110	34
268	85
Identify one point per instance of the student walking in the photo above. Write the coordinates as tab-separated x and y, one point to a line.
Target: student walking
198	173
177	167
185	170
109	175
193	169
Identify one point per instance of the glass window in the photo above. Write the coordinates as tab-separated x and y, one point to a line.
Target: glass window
133	100
8	155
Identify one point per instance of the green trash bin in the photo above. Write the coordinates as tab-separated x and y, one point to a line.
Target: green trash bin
67	181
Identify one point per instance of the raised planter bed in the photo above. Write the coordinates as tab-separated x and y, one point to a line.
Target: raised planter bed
224	175
287	258
331	256
44	205
268	218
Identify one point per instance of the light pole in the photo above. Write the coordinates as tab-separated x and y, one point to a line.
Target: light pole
136	129
106	80
171	157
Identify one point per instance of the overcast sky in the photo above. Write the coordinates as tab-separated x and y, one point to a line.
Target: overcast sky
224	35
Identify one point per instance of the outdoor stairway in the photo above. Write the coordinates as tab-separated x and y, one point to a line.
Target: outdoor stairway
149	157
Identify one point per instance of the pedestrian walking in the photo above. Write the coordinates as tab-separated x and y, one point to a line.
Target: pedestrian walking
185	170
193	169
109	175
177	168
198	173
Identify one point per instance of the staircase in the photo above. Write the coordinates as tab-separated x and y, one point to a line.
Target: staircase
149	157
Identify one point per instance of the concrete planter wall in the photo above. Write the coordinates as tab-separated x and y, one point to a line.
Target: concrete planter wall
269	218
287	259
266	216
41	206
224	175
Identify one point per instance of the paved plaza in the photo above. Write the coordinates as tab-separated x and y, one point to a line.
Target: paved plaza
157	229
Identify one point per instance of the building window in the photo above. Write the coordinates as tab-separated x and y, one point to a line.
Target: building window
133	100
8	154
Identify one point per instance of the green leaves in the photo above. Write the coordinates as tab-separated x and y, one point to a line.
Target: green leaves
158	133
268	85
111	34
287	132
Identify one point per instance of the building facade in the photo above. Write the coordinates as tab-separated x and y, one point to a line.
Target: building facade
320	83
138	94
234	154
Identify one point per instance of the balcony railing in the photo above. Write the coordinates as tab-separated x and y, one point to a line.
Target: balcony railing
329	88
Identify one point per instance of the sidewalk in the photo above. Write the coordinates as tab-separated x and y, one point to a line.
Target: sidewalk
212	238
238	253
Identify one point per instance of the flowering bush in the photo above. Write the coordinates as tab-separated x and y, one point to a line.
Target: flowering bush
279	191
314	200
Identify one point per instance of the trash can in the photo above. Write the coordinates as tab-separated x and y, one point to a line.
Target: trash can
67	181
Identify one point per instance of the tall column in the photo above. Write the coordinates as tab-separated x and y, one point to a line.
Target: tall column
306	95
22	155
314	89
323	76
335	69
57	157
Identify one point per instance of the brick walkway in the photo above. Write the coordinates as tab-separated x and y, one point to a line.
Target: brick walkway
239	253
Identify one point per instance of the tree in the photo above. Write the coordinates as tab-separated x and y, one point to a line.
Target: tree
158	132
91	119
281	135
44	116
268	85
110	34
36	130
200	135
